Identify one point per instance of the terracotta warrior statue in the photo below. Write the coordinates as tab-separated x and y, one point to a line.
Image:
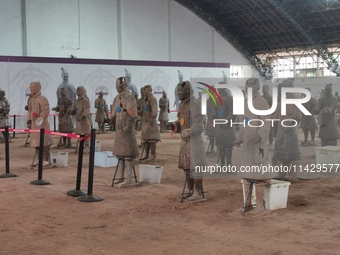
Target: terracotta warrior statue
37	118
210	130
192	152
101	115
255	144
149	132
71	90
81	110
4	111
328	132
64	109
225	134
163	117
124	114
287	146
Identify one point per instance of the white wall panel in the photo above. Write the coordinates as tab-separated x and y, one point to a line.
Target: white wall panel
191	37
226	53
111	29
11	40
144	30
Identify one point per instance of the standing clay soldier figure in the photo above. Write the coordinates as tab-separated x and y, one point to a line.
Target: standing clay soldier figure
308	122
225	134
255	144
287	148
4	111
101	115
327	105
82	112
65	119
163	117
210	130
177	100
124	114
71	90
140	108
269	98
37	118
149	132
192	152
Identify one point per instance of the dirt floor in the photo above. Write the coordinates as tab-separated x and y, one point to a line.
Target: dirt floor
148	219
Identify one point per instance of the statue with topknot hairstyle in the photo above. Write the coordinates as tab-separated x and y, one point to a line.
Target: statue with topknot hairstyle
71	90
255	143
101	115
192	152
64	108
327	105
123	117
81	110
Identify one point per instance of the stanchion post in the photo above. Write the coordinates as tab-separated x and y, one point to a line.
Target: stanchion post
14	124
77	192
54	125
40	181
89	197
7	174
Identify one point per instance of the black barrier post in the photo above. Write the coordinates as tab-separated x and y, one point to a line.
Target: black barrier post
7	174
40	181
77	192
89	197
54	125
14	124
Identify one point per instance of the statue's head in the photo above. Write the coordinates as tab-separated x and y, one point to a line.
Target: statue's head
328	89
81	91
253	83
184	90
265	89
121	84
64	74
164	94
148	90
101	94
35	87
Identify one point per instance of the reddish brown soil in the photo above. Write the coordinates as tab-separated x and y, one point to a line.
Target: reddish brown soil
40	220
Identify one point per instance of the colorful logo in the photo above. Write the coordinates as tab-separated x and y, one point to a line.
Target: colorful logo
209	90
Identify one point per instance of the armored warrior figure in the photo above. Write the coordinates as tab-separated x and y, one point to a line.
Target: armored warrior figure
149	132
71	90
210	130
308	122
101	115
4	110
81	110
192	152
163	117
65	119
177	100
37	118
328	132
225	134
287	148
124	114
255	144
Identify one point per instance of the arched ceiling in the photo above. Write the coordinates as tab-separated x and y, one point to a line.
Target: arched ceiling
265	26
